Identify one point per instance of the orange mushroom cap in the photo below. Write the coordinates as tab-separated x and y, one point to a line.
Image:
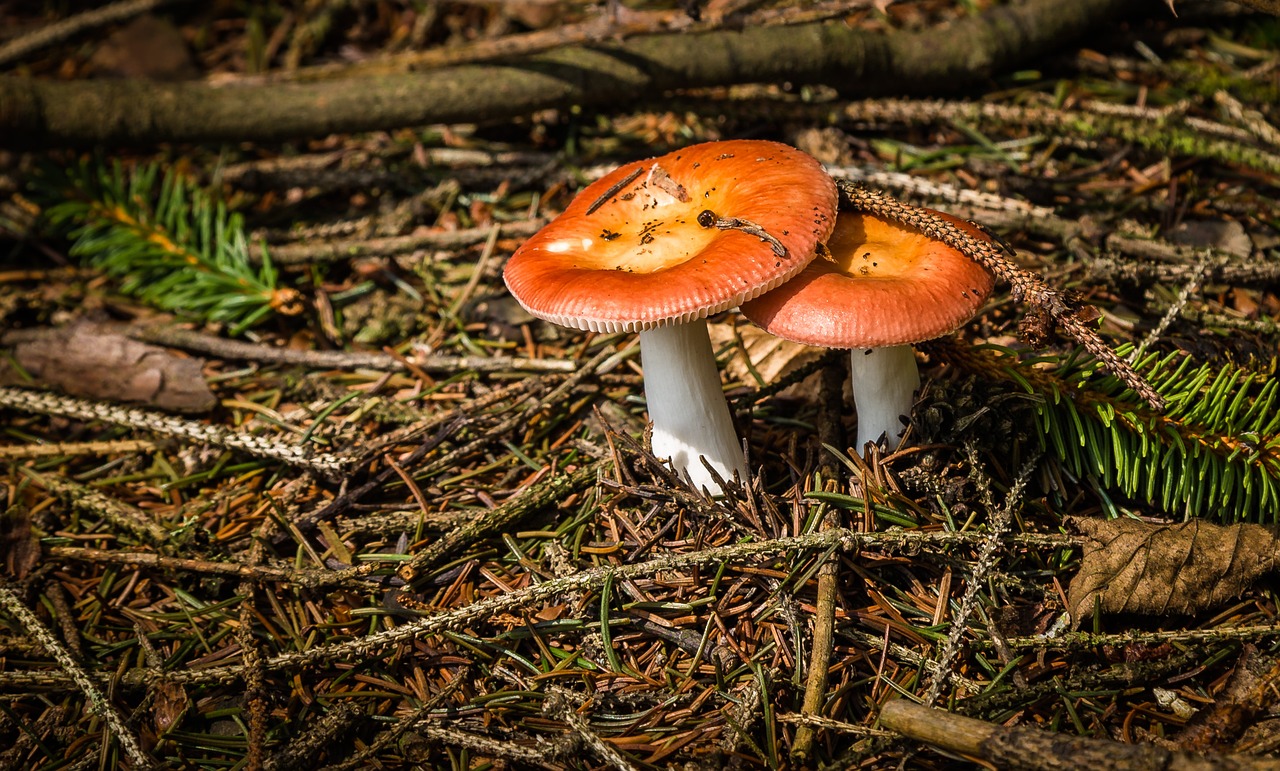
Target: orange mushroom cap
882	284
640	247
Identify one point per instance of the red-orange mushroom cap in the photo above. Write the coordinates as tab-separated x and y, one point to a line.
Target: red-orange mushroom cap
656	246
648	245
881	285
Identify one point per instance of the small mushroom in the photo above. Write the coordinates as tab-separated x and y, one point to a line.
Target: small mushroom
880	287
658	245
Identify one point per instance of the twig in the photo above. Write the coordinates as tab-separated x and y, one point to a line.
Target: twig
72	449
337	251
48	35
1175	308
97	700
709	219
487	747
364	758
120	514
831	434
926	187
827	724
240	350
912	657
629	23
145	420
310	578
1254	121
986	559
1024	283
1080	640
500	519
556	705
1148	130
301	751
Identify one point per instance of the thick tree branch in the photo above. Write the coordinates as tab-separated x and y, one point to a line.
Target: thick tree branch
38	112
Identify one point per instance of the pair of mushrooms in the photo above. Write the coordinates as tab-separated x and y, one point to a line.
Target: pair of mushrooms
657	246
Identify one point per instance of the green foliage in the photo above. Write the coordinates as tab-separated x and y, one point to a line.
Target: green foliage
1214	452
169	242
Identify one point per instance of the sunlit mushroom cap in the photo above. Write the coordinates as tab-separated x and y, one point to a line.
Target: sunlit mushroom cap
883	284
640	248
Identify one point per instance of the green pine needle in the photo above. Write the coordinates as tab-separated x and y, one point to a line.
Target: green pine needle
172	245
1214	452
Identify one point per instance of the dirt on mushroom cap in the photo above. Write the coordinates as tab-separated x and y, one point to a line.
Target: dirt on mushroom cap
629	252
882	284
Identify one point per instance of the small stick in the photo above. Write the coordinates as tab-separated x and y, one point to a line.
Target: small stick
242	351
501	519
1023	282
121	515
312	578
1175	308
988	552
557	706
614	190
71	449
320	251
831	433
147	420
709	219
364	758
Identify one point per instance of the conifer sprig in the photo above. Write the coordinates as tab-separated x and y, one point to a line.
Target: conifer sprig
169	242
1214	451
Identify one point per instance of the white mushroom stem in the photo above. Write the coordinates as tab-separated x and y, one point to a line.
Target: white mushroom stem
687	406
884	385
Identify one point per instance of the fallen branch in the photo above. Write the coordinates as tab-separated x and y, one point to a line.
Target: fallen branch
946	57
1034	748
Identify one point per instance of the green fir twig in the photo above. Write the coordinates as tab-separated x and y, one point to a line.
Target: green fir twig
168	242
1214	451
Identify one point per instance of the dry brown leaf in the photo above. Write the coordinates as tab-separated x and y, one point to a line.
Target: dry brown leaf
96	362
170	705
18	542
771	356
1137	567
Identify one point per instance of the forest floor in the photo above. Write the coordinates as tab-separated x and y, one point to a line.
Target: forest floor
352	507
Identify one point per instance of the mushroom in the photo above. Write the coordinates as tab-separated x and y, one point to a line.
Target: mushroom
878	287
658	245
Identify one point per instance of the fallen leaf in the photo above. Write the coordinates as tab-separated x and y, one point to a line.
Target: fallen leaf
1226	236
170	705
97	362
18	542
771	356
1137	567
147	47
